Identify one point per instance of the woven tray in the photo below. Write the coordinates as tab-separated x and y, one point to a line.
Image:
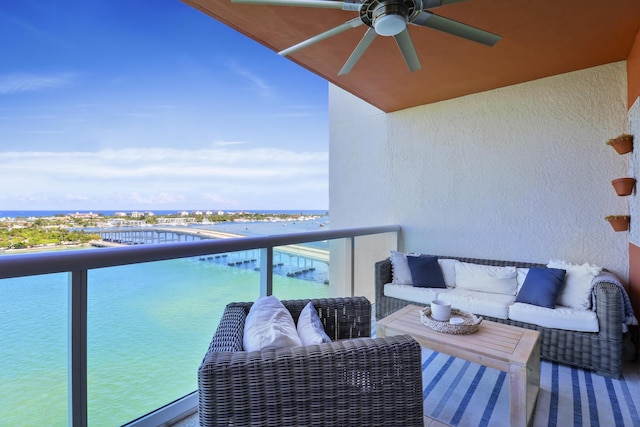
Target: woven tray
470	325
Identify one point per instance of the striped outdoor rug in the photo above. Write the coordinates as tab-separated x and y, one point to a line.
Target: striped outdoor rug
461	393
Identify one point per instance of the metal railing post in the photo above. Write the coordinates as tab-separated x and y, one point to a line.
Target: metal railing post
352	257
78	416
266	271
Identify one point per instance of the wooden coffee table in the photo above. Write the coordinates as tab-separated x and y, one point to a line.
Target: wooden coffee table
507	348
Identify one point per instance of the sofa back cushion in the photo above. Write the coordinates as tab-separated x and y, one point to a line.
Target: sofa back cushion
448	267
269	325
486	278
578	283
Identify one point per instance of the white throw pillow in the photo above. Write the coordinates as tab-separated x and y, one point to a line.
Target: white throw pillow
269	325
486	278
577	283
521	275
310	329
400	271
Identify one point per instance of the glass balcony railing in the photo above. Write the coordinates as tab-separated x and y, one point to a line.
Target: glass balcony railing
104	336
33	372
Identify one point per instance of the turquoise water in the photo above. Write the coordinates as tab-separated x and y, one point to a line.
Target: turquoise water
149	326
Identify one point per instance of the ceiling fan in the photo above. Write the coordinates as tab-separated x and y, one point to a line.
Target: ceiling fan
385	18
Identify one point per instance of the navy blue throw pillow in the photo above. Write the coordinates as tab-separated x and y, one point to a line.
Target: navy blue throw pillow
542	287
425	272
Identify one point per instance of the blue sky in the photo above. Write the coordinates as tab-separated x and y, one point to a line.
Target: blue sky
138	104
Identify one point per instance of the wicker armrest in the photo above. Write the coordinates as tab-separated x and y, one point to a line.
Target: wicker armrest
385	305
609	310
383	274
361	382
228	336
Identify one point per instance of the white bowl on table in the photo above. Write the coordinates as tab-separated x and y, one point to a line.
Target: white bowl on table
440	310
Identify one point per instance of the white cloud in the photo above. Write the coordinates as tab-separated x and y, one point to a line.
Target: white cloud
299	111
293	114
40	132
225	177
157	199
17	83
227	143
257	82
76	197
217	199
26	198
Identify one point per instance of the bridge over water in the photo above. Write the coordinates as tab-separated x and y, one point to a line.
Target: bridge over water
155	235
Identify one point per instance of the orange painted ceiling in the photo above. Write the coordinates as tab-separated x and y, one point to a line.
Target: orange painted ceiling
540	38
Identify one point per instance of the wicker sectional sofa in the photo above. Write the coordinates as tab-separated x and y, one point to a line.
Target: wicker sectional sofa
600	351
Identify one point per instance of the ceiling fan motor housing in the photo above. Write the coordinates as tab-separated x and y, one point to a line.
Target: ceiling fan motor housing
387	18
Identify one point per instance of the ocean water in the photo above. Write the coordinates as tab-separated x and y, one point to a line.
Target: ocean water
149	326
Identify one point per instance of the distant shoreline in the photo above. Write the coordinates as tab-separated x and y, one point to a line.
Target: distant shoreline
45	248
14	213
42	234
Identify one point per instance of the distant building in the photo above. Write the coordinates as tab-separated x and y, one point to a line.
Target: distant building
82	215
176	221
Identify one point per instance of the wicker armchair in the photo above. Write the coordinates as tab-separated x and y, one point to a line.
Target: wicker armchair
348	382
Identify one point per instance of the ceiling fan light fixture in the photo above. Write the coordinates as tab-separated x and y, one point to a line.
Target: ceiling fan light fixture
390	25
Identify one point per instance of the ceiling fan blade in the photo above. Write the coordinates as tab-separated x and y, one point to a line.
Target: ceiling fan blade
358	51
408	50
327	4
352	23
428	19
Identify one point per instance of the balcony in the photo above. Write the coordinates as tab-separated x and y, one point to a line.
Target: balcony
102	334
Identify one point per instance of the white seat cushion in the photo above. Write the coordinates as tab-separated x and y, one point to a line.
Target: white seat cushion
412	293
561	317
481	303
269	325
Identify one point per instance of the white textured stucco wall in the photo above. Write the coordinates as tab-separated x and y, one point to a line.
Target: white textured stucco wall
517	173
